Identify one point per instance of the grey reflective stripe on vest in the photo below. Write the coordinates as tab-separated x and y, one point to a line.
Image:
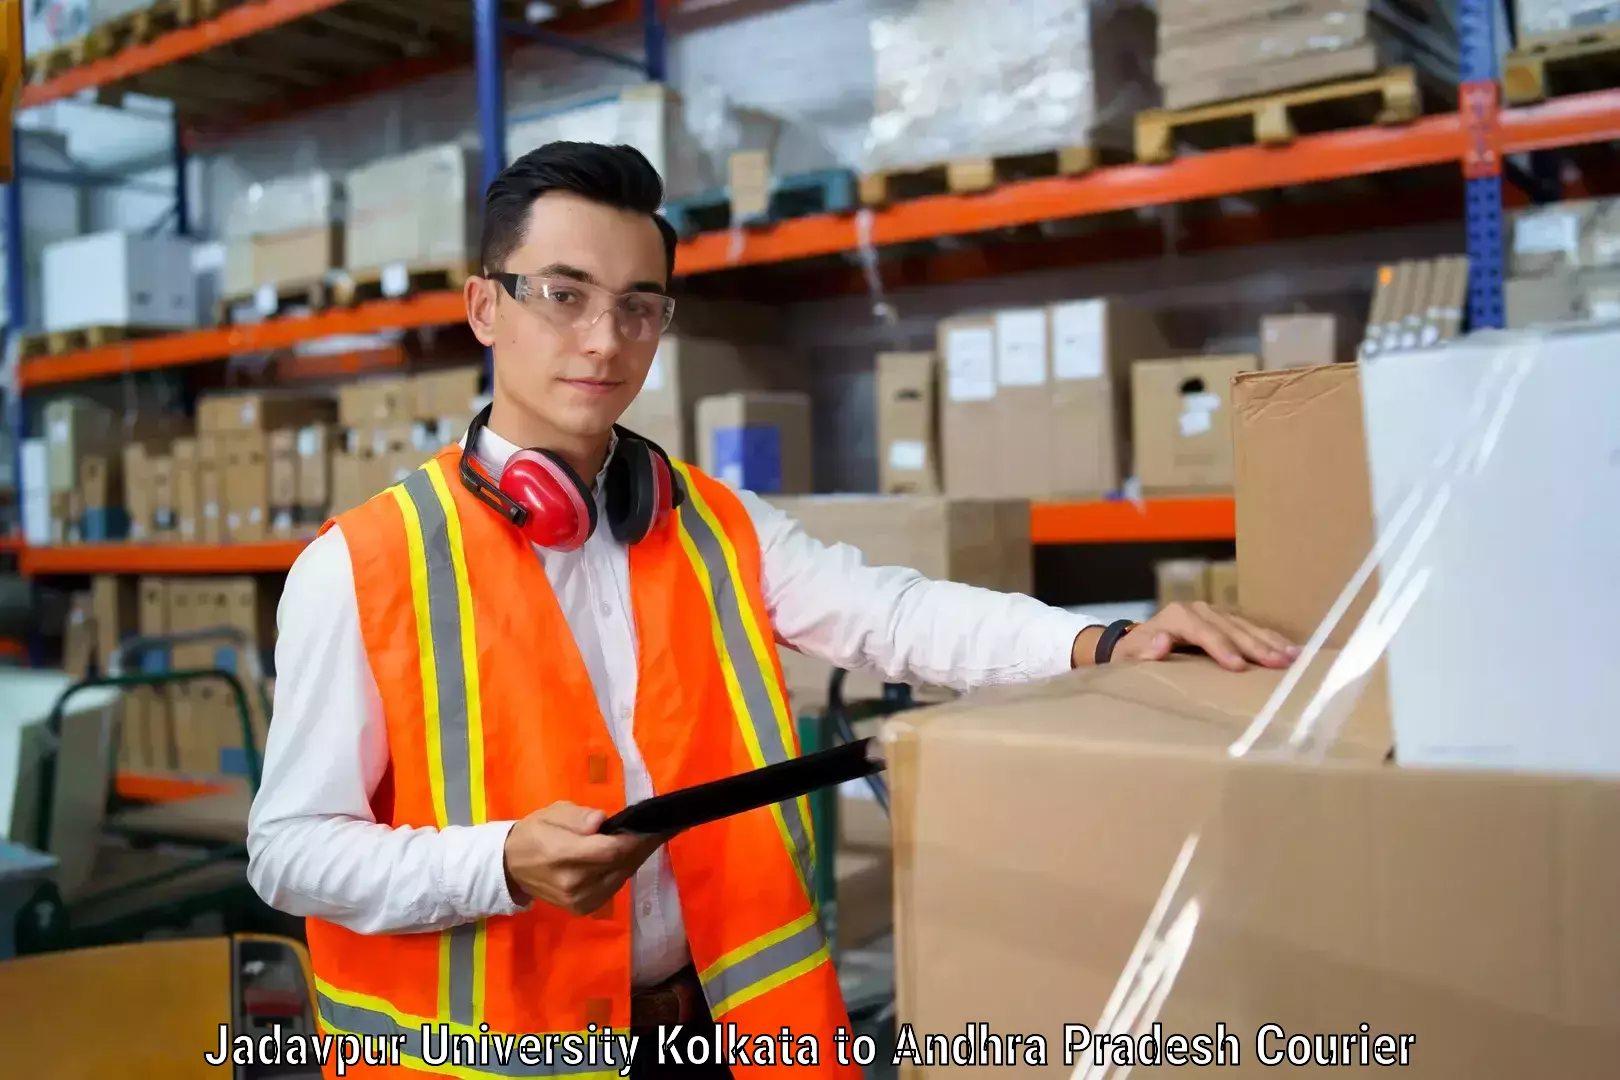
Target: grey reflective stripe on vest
444	621
413	1042
773	959
728	604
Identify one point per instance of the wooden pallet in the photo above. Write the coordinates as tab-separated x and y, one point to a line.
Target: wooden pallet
91	337
1553	66
315	294
359	286
1390	97
823	191
969	175
117	34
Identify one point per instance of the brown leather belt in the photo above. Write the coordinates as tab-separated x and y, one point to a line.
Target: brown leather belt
676	1000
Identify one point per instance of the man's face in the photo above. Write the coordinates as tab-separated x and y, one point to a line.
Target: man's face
562	354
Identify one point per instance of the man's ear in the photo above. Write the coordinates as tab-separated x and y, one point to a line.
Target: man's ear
481	295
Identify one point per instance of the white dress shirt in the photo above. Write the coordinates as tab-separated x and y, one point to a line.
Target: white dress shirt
315	847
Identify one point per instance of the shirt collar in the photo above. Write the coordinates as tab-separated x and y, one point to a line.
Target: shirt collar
493	452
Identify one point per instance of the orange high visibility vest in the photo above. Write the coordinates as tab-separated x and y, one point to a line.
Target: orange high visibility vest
491	715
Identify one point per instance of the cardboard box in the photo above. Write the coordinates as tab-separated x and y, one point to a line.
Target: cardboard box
983	542
418	209
1564	297
1303	497
141	281
246	488
211	462
1094	345
908	423
1465	908
283	481
75	427
1578	234
1555	20
165	521
1295	341
756	441
447	396
376	402
967	351
148	709
1181	413
226	414
687	368
79	636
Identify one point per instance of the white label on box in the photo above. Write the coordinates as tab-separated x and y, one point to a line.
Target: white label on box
379	443
254	515
250	410
908	454
731	474
395	279
970	363
1078	340
655	373
211	511
1550	231
402	474
264	300
233	521
309	440
60	431
1197	412
1021	348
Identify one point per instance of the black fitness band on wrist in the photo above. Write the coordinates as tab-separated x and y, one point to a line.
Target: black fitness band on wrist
1110	637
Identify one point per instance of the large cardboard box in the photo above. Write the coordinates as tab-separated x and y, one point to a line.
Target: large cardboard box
908	423
419	210
757	441
1181	411
968	422
232	413
1295	341
1303	497
1091	847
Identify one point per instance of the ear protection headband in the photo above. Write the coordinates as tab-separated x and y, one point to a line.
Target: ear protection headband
542	496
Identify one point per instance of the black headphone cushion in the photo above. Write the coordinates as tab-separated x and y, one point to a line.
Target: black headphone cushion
630	491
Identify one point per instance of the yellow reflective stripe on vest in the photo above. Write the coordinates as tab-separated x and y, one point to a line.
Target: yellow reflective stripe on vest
420	1039
756	697
451	703
764	964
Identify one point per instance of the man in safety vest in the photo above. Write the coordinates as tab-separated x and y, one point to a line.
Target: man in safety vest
552	619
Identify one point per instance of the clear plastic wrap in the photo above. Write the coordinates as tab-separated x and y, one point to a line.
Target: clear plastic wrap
958	78
303	201
1169	865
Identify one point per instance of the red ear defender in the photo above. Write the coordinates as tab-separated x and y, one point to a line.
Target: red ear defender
557	514
663	491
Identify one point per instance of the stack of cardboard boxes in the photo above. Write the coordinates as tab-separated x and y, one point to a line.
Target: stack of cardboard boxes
388	426
1564	264
287	231
1183	894
1070	401
1551	21
1219	50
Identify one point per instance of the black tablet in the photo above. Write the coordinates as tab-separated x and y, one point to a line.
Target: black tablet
666	815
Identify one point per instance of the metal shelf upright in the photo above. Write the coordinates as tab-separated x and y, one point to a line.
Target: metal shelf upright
1478	104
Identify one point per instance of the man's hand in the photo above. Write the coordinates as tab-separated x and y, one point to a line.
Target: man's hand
556	855
1230	639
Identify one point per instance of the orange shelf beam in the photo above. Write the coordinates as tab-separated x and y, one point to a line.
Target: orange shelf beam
1433	140
1576	120
120	558
150	787
1123	522
239	22
199	346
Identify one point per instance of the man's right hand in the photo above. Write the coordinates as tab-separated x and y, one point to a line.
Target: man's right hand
556	855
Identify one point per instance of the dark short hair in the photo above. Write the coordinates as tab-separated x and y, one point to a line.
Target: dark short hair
618	176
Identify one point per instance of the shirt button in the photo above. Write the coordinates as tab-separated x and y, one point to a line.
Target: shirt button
607	609
646	907
624	712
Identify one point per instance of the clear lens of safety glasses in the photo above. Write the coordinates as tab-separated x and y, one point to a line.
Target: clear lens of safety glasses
576	305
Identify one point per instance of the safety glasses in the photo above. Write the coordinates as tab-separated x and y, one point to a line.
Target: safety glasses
576	305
